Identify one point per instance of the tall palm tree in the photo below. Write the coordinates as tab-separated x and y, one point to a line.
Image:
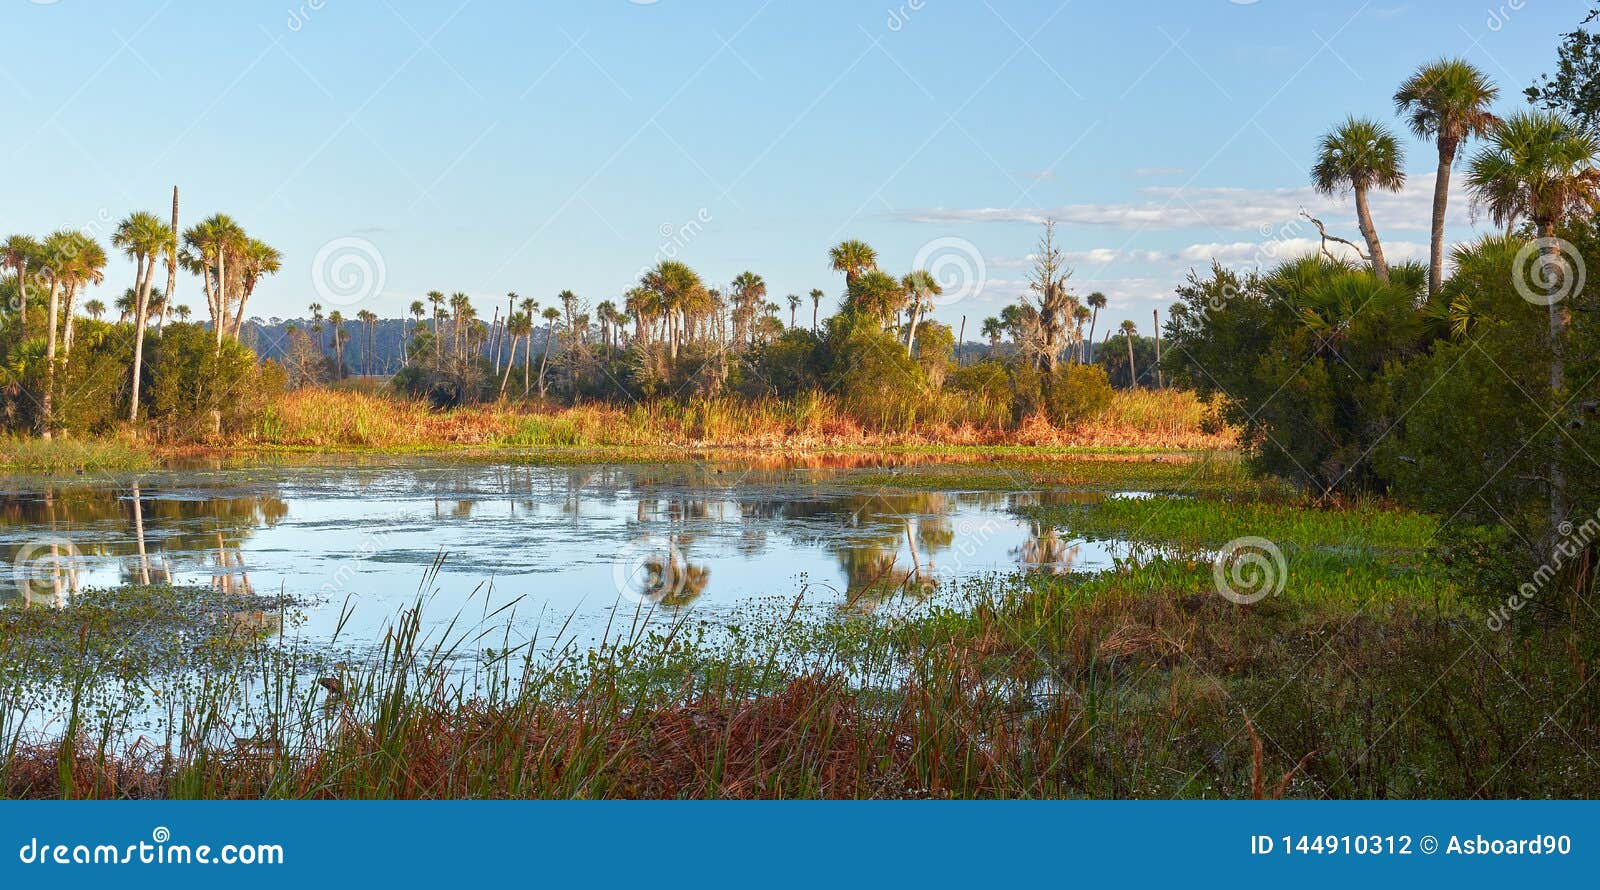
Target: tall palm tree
336	318
920	287
461	312
1128	329
17	253
1540	166
211	247
992	329
94	309
1360	155
551	313
171	254
436	299
144	238
256	259
1096	301
1447	101
86	268
1081	315
55	257
852	257
816	305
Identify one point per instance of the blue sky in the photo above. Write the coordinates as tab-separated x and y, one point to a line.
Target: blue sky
390	148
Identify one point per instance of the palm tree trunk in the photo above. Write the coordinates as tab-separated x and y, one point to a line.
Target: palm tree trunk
1558	323
22	294
1133	372
527	357
1089	347
507	379
1155	314
1441	197
172	268
220	320
141	314
1374	249
544	357
47	404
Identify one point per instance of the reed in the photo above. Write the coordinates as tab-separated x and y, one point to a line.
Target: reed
318	418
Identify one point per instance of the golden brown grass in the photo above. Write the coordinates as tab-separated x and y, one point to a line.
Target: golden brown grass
323	419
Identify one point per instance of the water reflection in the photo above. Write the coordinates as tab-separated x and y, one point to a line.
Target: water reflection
570	540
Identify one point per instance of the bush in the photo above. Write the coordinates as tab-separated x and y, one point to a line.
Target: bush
197	389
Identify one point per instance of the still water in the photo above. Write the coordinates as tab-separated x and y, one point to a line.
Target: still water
571	545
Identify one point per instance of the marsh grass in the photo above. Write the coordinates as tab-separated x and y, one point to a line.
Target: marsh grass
1364	676
349	419
64	455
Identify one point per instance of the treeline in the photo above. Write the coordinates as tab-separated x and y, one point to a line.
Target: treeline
1472	395
65	368
673	336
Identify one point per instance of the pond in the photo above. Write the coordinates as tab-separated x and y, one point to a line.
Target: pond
354	542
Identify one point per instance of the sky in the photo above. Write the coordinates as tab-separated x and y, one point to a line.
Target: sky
390	148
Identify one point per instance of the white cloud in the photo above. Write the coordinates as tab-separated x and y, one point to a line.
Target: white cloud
1227	209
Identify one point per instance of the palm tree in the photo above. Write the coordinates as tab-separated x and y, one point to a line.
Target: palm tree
518	324
182	311
1360	155
816	304
87	267
16	254
336	318
461	312
437	300
794	307
143	237
1096	301
1081	315
1448	101
94	309
257	258
551	313
171	254
992	329
209	248
1540	166
920	287
369	327
54	257
852	257
417	311
1128	330
529	307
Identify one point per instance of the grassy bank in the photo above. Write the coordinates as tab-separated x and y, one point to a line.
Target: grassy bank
323	421
1364	675
322	418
